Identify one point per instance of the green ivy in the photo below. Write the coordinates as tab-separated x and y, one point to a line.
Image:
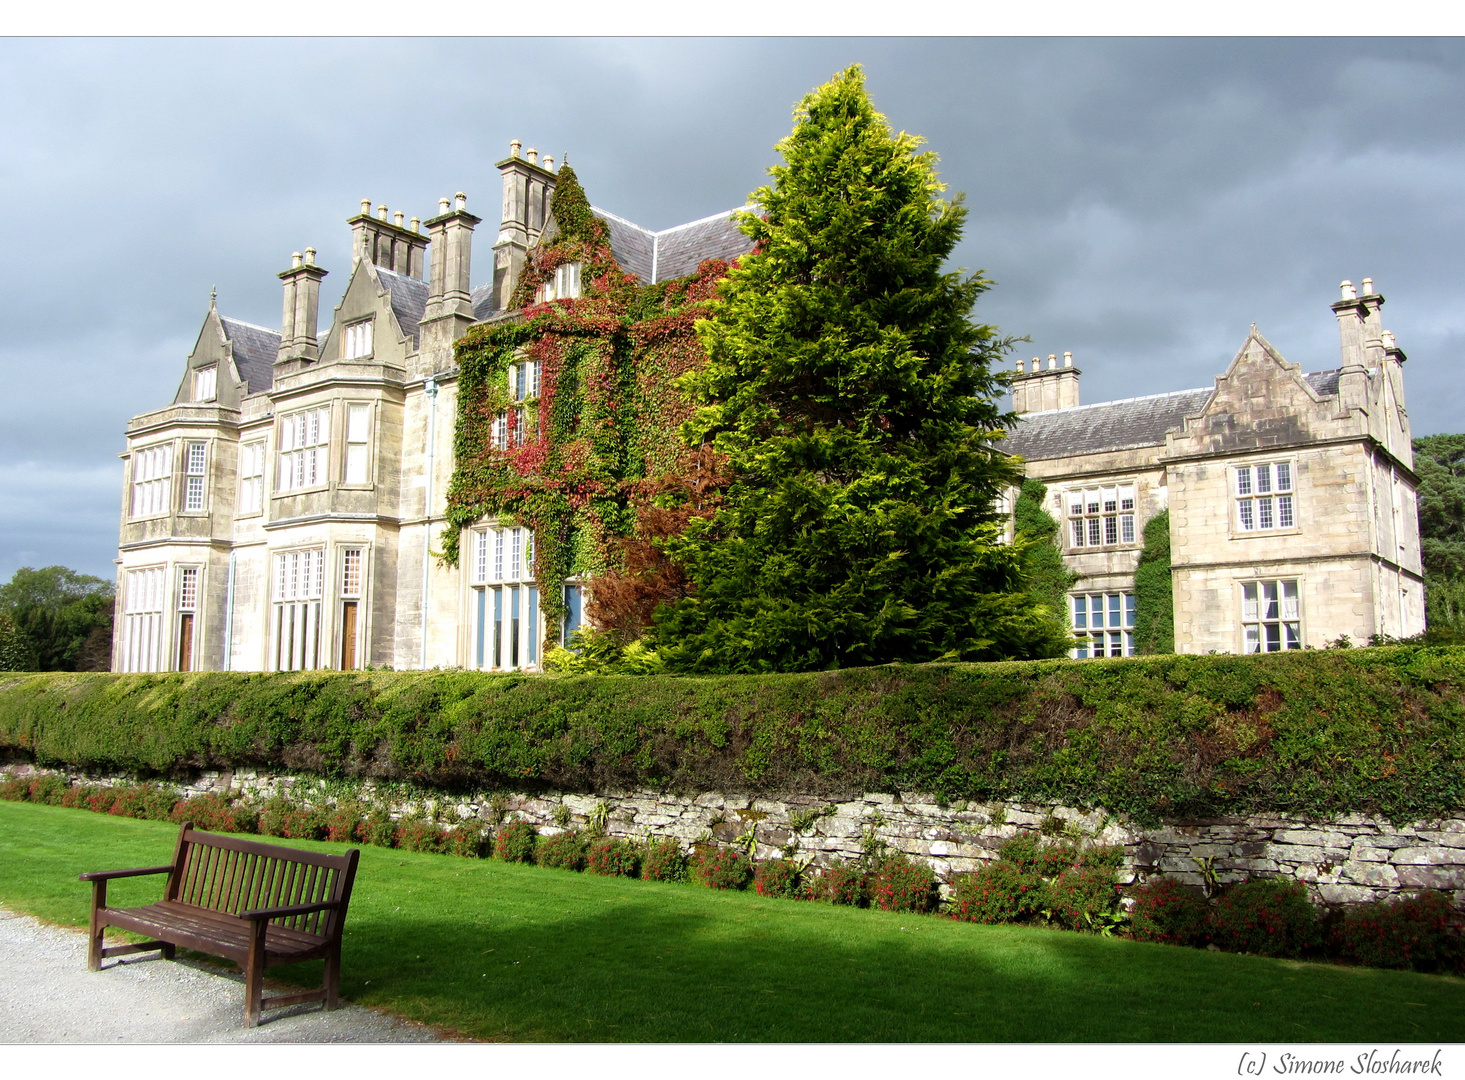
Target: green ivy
1049	578
1154	601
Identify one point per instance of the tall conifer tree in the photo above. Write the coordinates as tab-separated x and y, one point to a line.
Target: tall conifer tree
855	401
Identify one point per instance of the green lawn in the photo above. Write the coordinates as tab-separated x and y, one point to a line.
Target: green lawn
500	951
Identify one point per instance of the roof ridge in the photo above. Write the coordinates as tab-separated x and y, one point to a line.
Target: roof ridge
1122	401
624	221
721	215
252	326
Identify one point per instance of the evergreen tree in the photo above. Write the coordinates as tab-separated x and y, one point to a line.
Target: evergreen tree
1048	578
855	403
1154	595
1440	462
54	619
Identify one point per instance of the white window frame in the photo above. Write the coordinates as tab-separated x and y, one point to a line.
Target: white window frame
1271	615
564	285
1101	516
195	476
296	586
252	477
1113	635
152	480
1265	497
304	449
357	339
502	586
144	603
357	467
206	383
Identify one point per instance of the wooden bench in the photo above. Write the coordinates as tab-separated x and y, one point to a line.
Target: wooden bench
260	905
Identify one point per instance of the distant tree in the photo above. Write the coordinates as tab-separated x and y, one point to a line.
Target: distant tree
1439	460
1154	598
57	619
857	405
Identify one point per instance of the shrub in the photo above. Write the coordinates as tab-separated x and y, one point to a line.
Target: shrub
377	829
1083	898
664	861
144	801
609	857
1419	932
999	892
78	798
840	884
777	877
515	842
1023	852
421	835
900	883
213	812
99	798
1167	911
467	840
721	868
562	851
15	788
1267	916
49	789
343	822
281	817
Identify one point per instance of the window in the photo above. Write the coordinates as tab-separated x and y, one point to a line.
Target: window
358	440
1271	616
187	606
1101	516
296	624
499	436
205	383
524	380
356	340
195	463
565	285
516	427
350	607
504	602
1103	624
144	592
1264	497
251	477
304	437
574	610
152	481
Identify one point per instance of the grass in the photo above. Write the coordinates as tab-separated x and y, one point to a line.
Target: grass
500	951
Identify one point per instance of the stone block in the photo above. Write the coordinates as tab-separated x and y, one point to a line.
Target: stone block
1444	839
1432	877
1311	838
1347	894
1378	875
1360	853
1429	855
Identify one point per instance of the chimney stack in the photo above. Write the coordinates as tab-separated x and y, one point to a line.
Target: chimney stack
1353	315
528	188
1043	390
389	244
301	309
449	310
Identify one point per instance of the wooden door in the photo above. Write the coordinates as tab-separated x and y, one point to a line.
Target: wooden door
185	642
348	635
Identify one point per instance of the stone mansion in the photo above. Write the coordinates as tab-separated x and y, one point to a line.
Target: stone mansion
285	511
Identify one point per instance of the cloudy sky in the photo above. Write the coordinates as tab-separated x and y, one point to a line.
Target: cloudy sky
1139	202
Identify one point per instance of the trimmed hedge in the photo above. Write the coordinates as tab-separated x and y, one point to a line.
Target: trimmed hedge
1377	730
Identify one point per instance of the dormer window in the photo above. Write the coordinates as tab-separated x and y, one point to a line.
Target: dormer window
565	285
524	379
205	383
356	340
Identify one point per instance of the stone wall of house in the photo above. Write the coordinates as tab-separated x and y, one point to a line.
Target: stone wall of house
1347	859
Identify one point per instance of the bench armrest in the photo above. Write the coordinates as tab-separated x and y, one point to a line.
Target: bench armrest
293	909
108	875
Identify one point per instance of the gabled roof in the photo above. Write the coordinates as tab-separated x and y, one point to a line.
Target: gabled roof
675	252
1127	424
255	349
409	299
482	299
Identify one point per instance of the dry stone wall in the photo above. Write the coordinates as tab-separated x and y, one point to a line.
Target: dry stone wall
1349	859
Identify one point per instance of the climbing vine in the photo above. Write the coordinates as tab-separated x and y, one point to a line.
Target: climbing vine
602	434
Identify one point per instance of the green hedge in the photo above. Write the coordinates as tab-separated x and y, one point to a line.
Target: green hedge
1372	730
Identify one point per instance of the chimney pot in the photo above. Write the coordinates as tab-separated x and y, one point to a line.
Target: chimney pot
294	259
1388	336
1021	367
366	207
549	162
415	223
1368	286
1068	359
1052	361
444	205
461	200
1037	364
310	256
533	155
381	211
397	219
514	148
1347	289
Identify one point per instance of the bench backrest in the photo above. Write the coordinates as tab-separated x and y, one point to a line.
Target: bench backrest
230	875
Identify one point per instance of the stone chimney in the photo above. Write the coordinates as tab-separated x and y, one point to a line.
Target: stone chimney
528	187
302	308
389	244
449	310
1041	390
1353	314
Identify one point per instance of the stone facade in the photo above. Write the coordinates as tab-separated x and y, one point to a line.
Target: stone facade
1292	496
1348	859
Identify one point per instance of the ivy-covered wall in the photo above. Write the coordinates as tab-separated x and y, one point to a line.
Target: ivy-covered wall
605	424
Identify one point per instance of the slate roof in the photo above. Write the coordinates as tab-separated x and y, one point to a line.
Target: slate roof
255	349
409	300
482	299
675	252
1126	424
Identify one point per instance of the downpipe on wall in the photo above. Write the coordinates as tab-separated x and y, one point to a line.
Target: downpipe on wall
429	387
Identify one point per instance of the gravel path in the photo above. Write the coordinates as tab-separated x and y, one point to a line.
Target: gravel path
48	996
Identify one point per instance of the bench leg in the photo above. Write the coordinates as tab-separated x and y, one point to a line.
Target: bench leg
170	952
94	933
254	975
332	983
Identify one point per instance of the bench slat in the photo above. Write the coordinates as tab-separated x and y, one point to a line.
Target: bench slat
215	936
